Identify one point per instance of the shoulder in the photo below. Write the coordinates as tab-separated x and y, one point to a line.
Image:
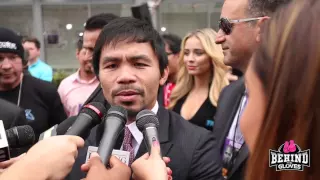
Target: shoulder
186	129
39	85
45	65
66	81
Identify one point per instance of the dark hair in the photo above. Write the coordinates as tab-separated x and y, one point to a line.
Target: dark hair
127	29
259	8
99	21
80	43
173	41
288	65
33	40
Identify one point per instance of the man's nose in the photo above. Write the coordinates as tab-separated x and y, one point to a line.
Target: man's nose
220	38
127	76
5	64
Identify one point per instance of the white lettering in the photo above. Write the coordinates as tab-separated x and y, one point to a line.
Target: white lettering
273	158
286	158
8	45
305	158
280	156
297	158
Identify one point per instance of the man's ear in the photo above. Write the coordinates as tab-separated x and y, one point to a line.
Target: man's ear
164	76
259	27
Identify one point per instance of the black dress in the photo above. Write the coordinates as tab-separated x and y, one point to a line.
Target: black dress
203	117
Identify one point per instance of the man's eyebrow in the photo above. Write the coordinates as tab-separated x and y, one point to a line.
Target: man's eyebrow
139	57
110	59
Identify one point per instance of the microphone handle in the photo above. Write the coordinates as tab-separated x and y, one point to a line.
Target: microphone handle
113	128
81	125
150	136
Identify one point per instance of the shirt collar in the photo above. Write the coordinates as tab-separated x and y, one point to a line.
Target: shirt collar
137	135
35	63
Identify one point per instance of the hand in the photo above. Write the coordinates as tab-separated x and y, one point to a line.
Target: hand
6	164
97	171
230	77
49	159
151	167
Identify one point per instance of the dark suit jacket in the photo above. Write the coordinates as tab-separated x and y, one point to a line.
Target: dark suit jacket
228	105
11	115
189	147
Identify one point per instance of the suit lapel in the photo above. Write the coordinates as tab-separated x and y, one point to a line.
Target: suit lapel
233	106
163	132
242	156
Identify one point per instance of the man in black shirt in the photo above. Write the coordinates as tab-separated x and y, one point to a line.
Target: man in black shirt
39	99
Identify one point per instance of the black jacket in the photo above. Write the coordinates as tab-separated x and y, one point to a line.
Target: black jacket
11	115
189	147
228	105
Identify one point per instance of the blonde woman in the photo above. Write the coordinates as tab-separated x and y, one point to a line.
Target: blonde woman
201	78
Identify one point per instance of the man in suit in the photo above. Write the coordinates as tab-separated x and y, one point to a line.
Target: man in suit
239	34
129	59
11	115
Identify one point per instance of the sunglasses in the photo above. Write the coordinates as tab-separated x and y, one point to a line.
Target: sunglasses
226	25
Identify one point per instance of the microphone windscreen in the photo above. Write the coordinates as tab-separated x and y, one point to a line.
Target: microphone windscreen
146	117
20	136
118	111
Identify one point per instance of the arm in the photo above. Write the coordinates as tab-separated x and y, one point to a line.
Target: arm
206	160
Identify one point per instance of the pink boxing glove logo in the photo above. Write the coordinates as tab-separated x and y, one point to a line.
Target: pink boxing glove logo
289	147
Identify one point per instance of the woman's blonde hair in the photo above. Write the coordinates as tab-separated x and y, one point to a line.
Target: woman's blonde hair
185	81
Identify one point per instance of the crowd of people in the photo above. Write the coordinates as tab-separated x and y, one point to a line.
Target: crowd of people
223	99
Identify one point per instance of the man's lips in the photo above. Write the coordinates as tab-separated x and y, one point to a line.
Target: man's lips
127	93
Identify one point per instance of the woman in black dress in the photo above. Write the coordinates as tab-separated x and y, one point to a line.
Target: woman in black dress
201	77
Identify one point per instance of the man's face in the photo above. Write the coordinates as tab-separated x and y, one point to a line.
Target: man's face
34	52
10	70
239	45
130	76
85	62
85	55
173	60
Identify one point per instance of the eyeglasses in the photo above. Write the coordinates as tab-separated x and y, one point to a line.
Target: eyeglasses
226	24
169	53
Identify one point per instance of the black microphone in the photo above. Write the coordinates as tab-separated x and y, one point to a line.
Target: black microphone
89	116
20	136
115	121
148	124
65	125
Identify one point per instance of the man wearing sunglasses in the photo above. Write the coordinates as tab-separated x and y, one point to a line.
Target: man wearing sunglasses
239	35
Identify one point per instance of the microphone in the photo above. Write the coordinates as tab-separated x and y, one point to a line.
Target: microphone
115	121
60	129
65	125
148	123
15	137
89	116
20	136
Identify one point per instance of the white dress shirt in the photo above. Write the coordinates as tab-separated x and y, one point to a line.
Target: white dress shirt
136	134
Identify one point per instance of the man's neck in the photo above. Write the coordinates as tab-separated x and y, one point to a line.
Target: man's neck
10	87
172	78
32	61
86	76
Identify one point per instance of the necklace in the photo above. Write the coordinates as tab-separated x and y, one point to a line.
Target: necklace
20	89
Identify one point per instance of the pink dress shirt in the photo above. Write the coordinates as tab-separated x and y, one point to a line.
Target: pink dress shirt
74	92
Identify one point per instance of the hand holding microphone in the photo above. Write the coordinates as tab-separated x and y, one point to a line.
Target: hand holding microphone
98	171
49	159
151	167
